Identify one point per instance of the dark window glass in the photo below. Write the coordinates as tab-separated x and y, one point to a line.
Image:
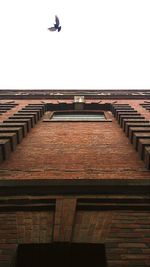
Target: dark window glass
61	254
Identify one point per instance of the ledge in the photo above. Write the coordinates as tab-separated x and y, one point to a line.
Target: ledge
67	187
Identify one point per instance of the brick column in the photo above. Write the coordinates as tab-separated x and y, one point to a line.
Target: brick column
64	219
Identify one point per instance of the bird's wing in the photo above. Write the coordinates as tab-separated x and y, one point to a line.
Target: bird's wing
59	29
57	20
52	29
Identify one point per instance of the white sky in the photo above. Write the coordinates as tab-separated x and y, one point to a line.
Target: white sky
104	44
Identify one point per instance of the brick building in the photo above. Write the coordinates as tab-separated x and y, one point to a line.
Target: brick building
75	177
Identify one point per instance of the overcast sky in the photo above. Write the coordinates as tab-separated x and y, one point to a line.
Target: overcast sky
103	44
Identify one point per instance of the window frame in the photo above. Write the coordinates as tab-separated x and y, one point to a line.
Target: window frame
49	116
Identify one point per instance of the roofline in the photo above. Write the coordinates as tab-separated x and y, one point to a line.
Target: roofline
69	94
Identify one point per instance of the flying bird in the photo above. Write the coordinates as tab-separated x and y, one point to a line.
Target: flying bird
56	25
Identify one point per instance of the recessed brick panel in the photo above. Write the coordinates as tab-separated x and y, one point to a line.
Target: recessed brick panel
91	226
8	238
23	227
35	227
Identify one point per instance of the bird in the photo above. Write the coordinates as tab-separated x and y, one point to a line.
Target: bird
56	25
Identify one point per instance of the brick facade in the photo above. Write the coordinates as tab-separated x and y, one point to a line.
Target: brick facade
84	182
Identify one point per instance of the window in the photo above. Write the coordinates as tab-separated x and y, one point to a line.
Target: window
78	116
61	254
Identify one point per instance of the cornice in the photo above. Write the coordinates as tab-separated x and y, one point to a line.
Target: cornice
69	94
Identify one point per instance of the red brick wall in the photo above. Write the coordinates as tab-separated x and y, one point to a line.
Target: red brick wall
23	227
126	234
75	151
128	242
97	150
